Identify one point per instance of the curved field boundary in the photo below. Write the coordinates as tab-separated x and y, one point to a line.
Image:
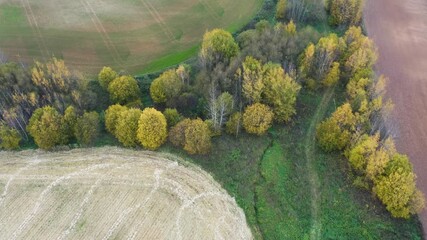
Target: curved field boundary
112	193
399	30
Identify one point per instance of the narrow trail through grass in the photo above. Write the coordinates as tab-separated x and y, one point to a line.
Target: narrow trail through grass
310	151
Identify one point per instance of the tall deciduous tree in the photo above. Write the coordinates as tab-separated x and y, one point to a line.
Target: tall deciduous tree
345	12
280	92
252	80
152	129
167	86
218	46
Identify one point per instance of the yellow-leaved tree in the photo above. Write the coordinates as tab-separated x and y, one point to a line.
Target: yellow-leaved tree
106	76
112	115
197	137
152	129
127	127
46	127
166	87
257	119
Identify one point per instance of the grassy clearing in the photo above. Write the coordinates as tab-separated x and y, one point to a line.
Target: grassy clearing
136	36
269	177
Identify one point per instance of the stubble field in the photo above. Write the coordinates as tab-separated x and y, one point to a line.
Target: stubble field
112	193
132	35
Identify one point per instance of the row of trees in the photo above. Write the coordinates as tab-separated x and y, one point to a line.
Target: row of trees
357	129
49	128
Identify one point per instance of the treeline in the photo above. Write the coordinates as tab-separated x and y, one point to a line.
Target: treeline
357	128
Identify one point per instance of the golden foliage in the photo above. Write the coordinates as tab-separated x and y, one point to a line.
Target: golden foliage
123	90
106	76
197	137
127	127
257	119
152	129
45	127
112	115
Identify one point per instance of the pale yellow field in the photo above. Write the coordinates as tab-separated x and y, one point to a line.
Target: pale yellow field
112	193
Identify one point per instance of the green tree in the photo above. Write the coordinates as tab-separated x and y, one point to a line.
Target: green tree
127	127
152	129
280	92
257	119
362	151
331	137
9	137
218	46
106	76
166	87
86	129
124	90
69	122
112	115
197	137
172	116
45	127
281	9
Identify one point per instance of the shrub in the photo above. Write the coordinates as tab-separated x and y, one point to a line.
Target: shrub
152	129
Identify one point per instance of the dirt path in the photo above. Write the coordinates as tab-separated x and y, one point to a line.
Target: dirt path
310	151
399	28
113	193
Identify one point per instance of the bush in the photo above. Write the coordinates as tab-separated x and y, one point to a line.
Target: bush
9	137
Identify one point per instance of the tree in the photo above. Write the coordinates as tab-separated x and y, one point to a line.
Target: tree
69	122
281	9
86	129
333	75
183	71
152	129
347	12
177	133
257	119
219	108
112	115
218	46
172	116
395	191
331	137
252	80
280	92
363	150
124	90
291	28
45	127
234	124
106	76
127	127
197	137
166	87
9	137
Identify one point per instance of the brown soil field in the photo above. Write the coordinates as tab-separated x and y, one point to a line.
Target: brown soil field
399	28
112	193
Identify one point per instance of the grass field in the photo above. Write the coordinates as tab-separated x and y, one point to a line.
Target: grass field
137	36
290	189
112	193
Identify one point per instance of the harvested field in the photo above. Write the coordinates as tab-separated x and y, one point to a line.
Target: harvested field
112	193
399	28
128	35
